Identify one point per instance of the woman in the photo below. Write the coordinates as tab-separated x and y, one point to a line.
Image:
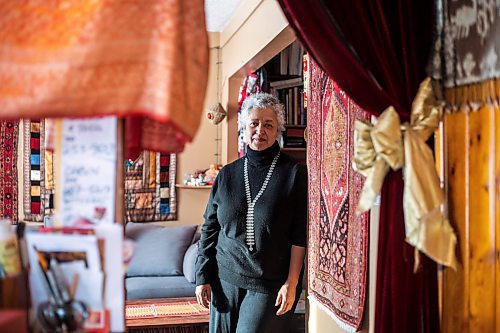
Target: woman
253	240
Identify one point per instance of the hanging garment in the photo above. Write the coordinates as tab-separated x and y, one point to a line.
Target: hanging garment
142	59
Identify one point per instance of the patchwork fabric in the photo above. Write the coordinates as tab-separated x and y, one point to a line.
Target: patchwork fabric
38	170
150	188
9	131
338	239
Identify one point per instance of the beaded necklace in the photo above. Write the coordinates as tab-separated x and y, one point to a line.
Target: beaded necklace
250	231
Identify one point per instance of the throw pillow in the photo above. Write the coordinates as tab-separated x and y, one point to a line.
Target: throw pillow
159	250
188	266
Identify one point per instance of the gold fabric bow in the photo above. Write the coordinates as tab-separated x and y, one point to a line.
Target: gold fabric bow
388	144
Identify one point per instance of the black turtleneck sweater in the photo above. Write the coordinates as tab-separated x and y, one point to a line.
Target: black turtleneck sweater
280	221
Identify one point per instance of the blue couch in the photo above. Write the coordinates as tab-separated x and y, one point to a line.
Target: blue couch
163	262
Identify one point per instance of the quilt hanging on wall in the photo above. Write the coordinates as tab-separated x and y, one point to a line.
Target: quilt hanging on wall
38	171
150	188
338	239
9	131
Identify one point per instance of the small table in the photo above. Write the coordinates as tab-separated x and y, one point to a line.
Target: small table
197	322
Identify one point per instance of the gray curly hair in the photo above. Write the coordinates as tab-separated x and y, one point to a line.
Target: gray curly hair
263	101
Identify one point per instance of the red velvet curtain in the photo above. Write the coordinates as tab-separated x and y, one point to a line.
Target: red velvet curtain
377	52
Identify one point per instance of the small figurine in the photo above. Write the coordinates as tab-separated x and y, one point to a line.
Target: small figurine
211	173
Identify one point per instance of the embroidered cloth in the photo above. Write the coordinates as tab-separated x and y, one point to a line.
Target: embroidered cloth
38	171
8	170
142	59
466	49
338	239
150	188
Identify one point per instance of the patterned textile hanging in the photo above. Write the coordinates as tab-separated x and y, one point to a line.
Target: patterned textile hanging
38	171
143	60
150	188
466	49
338	238
9	131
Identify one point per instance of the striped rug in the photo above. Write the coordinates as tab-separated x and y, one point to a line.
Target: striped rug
157	310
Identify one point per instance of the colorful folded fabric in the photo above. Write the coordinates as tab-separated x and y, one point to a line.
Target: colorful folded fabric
142	59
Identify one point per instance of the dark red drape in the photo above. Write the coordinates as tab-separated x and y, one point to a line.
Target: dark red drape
377	52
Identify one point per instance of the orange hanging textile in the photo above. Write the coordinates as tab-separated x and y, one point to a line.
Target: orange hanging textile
143	60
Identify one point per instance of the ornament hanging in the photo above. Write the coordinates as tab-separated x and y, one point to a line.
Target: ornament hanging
216	113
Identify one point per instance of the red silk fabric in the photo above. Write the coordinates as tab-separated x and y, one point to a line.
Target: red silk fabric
146	61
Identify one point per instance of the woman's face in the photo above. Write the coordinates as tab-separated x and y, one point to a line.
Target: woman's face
261	128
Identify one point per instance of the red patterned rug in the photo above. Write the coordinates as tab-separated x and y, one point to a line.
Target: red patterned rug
8	170
338	239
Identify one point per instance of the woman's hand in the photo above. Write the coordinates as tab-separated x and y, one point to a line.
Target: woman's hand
203	294
286	295
285	299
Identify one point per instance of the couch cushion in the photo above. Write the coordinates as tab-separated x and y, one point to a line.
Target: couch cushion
188	267
158	287
159	250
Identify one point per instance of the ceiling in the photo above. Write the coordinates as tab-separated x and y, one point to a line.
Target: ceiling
218	13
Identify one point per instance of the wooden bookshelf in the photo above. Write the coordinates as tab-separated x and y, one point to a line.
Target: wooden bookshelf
285	80
291	150
290	93
297	154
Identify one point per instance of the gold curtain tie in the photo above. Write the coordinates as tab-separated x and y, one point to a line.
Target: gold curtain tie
388	144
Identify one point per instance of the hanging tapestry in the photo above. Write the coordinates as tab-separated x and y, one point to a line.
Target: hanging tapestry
338	239
150	188
466	49
38	173
8	170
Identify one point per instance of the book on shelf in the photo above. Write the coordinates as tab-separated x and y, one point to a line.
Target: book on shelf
293	137
292	99
294	144
288	83
290	59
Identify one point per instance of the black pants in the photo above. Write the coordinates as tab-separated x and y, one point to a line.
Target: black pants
238	310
